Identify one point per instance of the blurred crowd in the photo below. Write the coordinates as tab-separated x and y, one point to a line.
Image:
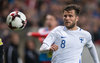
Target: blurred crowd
17	43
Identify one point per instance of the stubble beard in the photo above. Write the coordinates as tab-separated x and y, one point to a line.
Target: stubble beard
71	26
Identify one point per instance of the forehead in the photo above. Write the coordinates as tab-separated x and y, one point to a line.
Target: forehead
49	16
69	12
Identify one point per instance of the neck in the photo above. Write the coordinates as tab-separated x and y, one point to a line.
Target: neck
74	28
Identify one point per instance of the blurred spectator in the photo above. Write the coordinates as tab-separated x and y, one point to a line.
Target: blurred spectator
11	53
1	51
50	23
31	56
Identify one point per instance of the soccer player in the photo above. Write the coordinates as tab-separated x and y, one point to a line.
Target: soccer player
67	41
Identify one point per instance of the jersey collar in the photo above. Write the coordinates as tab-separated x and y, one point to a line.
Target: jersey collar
66	29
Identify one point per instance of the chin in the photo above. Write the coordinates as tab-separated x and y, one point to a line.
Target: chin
69	27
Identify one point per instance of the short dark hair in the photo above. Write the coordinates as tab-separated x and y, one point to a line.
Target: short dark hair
73	7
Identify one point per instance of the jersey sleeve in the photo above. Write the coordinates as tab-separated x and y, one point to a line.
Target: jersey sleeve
89	42
92	49
48	41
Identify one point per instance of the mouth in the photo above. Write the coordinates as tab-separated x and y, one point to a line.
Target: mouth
67	22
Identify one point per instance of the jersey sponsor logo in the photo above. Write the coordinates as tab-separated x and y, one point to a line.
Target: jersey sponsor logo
63	37
1	43
81	39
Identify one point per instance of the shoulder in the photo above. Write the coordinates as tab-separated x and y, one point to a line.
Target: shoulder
85	33
58	28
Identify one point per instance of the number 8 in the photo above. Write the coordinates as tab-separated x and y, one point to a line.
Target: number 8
63	44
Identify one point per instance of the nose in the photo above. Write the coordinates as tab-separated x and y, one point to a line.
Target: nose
67	17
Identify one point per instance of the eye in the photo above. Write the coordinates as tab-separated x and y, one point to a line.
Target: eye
70	16
65	15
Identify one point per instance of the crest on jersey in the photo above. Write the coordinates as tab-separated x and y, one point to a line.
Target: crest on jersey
81	39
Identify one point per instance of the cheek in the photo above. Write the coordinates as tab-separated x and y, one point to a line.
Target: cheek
73	19
63	18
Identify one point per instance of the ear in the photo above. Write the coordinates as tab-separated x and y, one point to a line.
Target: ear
77	18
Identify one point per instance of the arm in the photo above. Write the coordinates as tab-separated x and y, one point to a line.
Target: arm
92	49
48	43
93	53
44	48
36	34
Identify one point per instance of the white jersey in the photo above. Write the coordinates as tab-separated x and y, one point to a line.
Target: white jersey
70	44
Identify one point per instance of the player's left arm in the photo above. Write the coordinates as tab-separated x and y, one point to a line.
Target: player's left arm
92	50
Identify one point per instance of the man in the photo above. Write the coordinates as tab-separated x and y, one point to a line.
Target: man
11	53
31	56
1	51
50	23
67	41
